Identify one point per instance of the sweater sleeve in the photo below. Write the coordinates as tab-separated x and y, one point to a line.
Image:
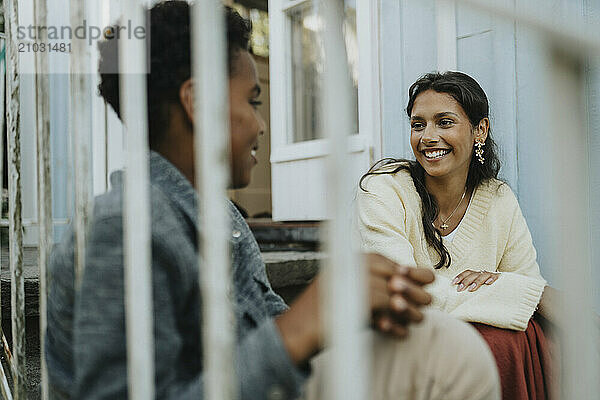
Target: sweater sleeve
510	301
382	222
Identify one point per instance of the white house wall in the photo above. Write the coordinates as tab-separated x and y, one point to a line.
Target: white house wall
408	49
592	11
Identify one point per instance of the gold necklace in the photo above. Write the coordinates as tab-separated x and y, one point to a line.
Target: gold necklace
444	224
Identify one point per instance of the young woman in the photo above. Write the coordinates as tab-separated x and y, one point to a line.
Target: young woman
448	211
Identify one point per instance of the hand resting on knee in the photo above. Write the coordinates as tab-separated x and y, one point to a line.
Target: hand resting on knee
395	296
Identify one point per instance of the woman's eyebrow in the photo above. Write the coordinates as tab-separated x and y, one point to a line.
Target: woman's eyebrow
446	114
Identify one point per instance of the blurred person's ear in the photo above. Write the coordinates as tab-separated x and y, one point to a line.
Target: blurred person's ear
186	98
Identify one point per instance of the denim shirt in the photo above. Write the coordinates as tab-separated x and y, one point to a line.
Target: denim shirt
85	342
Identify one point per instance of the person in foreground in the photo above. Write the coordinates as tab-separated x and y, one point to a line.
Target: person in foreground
86	345
447	210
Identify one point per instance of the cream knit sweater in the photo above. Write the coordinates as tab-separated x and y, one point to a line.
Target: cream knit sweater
492	236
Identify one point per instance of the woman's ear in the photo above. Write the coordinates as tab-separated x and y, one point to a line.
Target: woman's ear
186	97
482	129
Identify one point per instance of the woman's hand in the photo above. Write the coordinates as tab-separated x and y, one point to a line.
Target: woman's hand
472	280
396	294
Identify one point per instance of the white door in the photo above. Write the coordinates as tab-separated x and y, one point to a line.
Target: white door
298	145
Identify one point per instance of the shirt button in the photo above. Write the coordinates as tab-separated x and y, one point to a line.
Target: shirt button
275	393
236	234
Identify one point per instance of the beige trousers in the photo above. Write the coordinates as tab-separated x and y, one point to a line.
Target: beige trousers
442	358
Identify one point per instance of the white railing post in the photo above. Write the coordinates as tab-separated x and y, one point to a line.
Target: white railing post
4	385
136	213
3	104
343	292
580	355
19	372
44	188
211	113
80	124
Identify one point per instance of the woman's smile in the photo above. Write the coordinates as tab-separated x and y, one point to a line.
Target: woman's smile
435	154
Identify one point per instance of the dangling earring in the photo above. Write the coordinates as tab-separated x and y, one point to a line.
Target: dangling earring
479	150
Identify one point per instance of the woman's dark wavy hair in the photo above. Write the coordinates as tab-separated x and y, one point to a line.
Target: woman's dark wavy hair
471	97
170	65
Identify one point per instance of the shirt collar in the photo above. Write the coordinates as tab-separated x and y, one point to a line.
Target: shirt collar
177	187
169	180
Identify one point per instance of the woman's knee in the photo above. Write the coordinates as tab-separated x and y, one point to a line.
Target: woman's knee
463	364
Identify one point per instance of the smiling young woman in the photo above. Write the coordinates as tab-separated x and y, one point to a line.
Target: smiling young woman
447	210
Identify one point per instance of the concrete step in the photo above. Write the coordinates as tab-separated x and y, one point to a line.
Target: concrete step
31	277
285	269
284	236
290	271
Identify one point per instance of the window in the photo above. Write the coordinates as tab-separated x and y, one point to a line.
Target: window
307	66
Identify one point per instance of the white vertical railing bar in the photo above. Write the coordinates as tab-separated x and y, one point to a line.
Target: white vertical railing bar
80	123
212	175
343	288
43	180
4	386
2	121
580	369
19	371
136	213
105	22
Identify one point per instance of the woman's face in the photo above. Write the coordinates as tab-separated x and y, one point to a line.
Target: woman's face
442	137
246	122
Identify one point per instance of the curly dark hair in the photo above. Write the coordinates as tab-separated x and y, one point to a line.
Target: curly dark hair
472	98
170	64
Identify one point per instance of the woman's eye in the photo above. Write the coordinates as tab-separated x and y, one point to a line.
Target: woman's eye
417	125
446	122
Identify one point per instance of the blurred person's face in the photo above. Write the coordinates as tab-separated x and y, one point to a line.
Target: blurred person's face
442	136
246	122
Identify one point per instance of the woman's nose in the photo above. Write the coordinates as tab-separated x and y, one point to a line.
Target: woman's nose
429	136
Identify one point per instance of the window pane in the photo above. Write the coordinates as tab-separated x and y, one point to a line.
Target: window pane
307	67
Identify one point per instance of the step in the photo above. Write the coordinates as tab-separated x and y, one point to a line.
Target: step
31	278
283	236
284	269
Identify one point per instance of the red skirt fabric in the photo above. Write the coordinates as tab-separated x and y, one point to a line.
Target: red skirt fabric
523	360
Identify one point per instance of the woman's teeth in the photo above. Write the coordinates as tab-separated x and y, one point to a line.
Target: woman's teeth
435	153
253	153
